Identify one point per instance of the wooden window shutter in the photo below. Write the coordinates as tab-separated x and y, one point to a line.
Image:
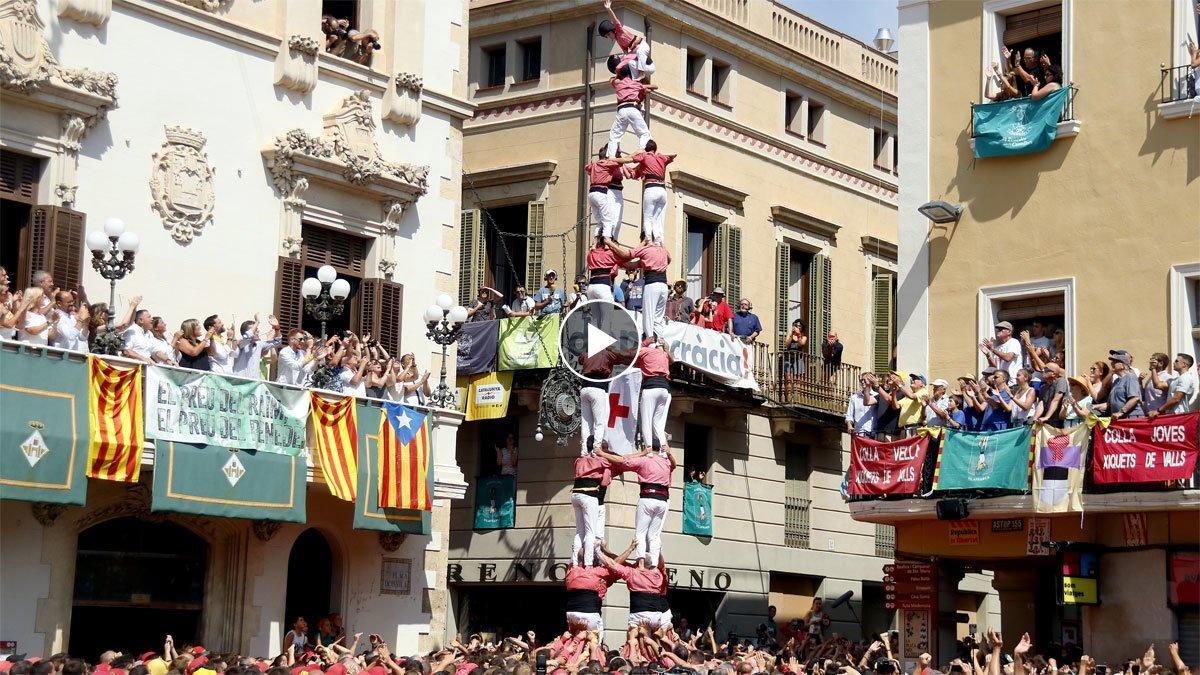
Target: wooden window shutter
345	252
368	308
56	245
720	260
535	227
19	176
820	301
733	289
882	313
1033	24
471	265
783	269
380	305
289	304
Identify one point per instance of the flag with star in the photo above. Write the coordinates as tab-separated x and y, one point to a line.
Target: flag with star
403	458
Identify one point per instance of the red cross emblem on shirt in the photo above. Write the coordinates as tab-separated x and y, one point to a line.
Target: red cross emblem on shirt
615	409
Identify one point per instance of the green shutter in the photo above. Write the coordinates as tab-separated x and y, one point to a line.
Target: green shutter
687	264
882	287
471	263
820	301
535	227
796	501
783	268
733	290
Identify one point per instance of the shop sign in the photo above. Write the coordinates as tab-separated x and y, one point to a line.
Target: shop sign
1080	591
964	532
486	572
395	578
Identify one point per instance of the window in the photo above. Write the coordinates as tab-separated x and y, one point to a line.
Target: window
884	160
494	65
697	455
793	113
531	59
1041	26
1051	302
1037	29
885	540
1041	315
816	122
700	234
883	320
721	83
492	435
792	595
895	154
695	72
796	502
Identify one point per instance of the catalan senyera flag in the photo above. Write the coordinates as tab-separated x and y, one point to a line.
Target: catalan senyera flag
115	433
403	458
335	428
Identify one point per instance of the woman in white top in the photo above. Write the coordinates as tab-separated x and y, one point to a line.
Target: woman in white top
12	309
38	328
409	385
297	637
1023	399
506	456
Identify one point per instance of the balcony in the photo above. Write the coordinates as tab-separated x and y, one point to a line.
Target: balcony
1178	96
1068	124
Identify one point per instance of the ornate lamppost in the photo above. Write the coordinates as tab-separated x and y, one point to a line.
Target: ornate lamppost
325	296
444	320
113	251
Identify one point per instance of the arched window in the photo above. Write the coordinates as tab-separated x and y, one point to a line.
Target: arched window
310	580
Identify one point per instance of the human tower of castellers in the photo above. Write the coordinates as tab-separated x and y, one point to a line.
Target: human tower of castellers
594	568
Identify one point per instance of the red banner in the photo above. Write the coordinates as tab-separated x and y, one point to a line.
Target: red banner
1146	450
879	468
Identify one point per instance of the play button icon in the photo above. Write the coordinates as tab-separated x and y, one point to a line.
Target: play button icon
599	340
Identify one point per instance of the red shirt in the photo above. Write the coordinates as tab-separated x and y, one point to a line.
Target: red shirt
625	37
650	580
654	362
600	366
602	172
628	90
589	466
649	469
596	579
602	258
653	164
654	258
721	315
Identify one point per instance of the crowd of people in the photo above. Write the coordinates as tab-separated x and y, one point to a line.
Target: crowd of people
1023	73
1024	383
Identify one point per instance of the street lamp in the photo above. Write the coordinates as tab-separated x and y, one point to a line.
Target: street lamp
325	296
113	251
444	320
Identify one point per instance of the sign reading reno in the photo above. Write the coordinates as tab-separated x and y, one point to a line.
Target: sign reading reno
207	409
1146	450
717	355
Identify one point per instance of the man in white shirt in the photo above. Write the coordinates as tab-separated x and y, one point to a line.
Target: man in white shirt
250	348
860	409
1156	381
353	375
298	359
71	323
139	341
1182	388
937	406
221	356
1004	351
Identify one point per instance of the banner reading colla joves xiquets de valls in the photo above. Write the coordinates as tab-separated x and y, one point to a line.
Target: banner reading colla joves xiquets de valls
208	409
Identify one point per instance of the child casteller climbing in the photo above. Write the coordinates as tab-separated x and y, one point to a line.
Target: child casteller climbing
635	47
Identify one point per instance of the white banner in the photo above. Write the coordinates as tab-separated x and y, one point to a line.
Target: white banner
722	357
623	412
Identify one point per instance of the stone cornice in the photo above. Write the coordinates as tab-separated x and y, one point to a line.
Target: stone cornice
682	180
506	175
884	249
803	221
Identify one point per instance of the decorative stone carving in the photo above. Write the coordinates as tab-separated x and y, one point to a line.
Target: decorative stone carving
291	245
70	140
207	5
386	267
181	183
391	541
265	530
46	514
296	65
392	212
135	502
26	61
94	12
402	100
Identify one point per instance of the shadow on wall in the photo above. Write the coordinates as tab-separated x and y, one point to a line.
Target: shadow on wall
1163	137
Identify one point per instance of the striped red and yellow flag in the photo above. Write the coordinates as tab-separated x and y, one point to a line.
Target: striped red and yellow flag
403	458
335	425
115	431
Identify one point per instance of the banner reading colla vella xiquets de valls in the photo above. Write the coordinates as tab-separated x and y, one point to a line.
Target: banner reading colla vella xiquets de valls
208	409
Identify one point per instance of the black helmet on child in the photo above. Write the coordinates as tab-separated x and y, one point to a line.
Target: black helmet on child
613	60
605	26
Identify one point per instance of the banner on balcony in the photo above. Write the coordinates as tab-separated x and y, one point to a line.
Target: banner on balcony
1058	468
720	356
368	515
228	483
528	342
477	345
487	395
697	509
44	434
208	409
998	460
1145	450
1017	126
495	502
620	429
886	468
114	420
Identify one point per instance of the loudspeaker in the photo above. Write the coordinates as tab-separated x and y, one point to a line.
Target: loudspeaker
952	509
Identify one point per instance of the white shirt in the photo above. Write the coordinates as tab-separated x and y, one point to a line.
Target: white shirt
34	320
346	375
248	360
932	419
139	341
1152	396
161	347
1012	346
221	356
70	336
294	367
861	415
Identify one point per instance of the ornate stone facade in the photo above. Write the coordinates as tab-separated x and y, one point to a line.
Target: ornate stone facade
296	65
402	101
93	12
27	63
207	5
181	183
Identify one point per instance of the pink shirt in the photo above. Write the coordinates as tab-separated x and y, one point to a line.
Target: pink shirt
602	172
602	258
654	258
596	579
653	164
650	580
590	466
649	469
628	89
625	37
654	362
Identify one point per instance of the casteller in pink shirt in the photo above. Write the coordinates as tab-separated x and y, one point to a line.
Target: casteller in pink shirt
649	580
628	89
652	164
653	256
591	466
649	469
654	362
602	258
596	579
626	38
602	172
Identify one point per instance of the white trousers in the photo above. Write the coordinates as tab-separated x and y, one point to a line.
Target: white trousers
604	214
654	619
653	417
587	519
617	199
593	405
589	620
648	526
639	66
627	117
654	308
599	292
654	211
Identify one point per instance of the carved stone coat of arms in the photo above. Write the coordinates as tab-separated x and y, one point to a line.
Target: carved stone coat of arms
181	183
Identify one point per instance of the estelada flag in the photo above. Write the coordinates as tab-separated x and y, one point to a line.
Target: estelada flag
403	458
335	428
115	433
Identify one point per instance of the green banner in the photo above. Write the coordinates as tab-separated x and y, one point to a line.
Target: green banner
208	409
528	342
697	509
495	502
997	460
215	481
367	514
43	427
1017	126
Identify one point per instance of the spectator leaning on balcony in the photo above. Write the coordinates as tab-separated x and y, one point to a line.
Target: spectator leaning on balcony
193	345
912	397
550	298
831	352
679	305
860	409
223	345
746	325
1051	81
997	401
1023	399
251	347
139	339
1003	352
484	307
1181	389
722	319
353	371
796	343
72	322
973	402
632	289
1124	397
1052	399
298	359
521	305
158	332
702	315
937	405
349	43
1078	403
1156	382
38	328
887	407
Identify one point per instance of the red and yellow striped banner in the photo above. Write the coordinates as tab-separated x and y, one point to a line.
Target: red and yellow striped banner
335	425
403	467
115	431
